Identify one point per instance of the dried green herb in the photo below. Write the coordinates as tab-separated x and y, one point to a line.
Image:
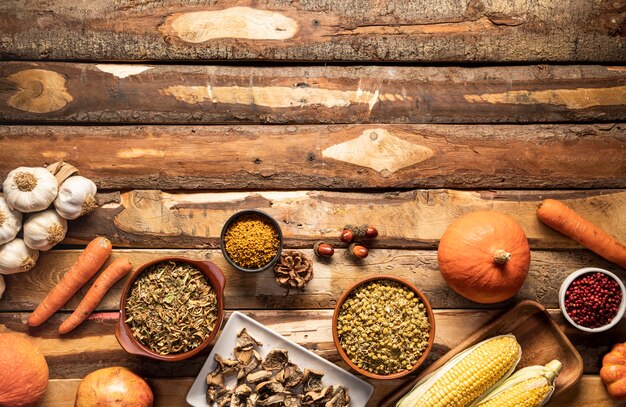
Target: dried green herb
171	308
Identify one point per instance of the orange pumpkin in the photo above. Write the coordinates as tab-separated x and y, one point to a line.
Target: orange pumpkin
23	371
484	256
613	372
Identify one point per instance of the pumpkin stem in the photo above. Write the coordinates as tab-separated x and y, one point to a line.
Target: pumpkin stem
501	256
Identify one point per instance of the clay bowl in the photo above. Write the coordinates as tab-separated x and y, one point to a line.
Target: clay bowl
429	312
260	214
134	347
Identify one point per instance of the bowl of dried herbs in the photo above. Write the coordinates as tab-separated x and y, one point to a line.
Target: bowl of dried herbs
171	308
251	241
383	327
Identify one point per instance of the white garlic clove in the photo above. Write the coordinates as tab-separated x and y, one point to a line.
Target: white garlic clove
77	197
44	229
16	257
2	286
30	189
10	222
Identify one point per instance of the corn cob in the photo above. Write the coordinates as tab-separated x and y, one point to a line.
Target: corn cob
467	376
529	387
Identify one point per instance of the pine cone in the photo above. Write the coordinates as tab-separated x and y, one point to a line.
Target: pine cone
293	270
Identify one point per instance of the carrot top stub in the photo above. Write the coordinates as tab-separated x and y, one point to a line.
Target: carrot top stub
86	266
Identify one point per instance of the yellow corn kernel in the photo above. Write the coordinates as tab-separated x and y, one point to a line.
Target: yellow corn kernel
469	377
529	393
531	386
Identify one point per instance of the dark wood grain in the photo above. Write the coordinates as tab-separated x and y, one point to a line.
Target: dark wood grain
328	156
97	93
93	345
409	219
260	291
334	30
172	392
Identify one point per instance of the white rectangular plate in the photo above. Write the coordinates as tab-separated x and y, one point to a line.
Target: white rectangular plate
359	391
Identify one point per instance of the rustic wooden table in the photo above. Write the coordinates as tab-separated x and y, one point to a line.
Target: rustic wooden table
321	114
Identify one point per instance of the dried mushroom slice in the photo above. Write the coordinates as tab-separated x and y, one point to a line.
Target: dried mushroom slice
293	400
276	359
291	376
312	380
274	400
241	397
340	398
242	390
245	341
248	364
228	366
215	384
318	396
223	397
268	388
215	378
259	376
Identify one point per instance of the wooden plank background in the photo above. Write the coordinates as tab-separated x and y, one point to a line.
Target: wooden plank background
405	219
552	156
259	291
330	30
405	115
105	93
172	392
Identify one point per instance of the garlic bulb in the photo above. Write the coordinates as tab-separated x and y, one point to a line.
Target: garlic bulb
30	189
2	286
10	222
77	197
16	257
44	229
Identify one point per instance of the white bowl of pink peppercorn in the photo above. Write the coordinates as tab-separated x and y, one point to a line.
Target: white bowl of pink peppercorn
593	299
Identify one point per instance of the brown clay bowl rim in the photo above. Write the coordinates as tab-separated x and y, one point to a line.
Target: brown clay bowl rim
133	346
259	213
429	312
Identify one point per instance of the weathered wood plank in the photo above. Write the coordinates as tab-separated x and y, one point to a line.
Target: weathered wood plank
172	392
466	31
96	93
328	157
259	291
411	219
93	345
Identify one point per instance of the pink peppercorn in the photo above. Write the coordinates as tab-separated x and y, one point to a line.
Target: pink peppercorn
592	300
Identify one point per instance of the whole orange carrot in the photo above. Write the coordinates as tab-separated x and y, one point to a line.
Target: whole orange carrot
564	219
111	275
88	264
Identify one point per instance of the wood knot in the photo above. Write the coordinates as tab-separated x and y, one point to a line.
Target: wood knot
34	89
39	91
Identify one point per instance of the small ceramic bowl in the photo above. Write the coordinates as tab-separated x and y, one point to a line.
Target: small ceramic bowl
565	285
431	333
134	347
260	214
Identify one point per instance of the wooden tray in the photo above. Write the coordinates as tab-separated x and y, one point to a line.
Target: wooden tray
539	336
